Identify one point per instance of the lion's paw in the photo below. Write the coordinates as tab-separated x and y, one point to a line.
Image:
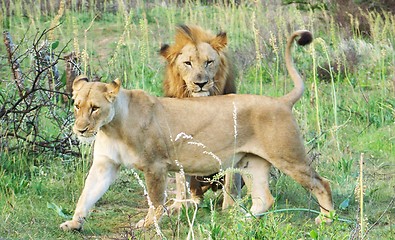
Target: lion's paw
196	200
71	225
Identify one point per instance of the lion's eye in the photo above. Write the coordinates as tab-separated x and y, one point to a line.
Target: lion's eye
188	63
95	108
209	62
76	107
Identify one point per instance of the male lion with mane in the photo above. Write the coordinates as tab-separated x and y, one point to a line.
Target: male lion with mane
198	66
157	135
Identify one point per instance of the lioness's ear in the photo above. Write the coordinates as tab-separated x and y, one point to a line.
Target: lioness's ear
79	81
220	41
113	89
77	84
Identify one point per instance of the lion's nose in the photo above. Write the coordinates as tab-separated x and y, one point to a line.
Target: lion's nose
200	84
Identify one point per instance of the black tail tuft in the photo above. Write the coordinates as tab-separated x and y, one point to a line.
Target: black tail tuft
305	38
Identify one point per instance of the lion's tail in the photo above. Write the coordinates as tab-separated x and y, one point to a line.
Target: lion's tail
305	38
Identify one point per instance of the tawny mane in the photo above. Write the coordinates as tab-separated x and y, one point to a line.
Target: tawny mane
174	84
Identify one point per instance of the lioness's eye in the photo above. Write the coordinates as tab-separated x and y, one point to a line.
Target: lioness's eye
76	107
188	63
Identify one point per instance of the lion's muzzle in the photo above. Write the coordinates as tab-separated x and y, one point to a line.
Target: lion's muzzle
201	84
200	89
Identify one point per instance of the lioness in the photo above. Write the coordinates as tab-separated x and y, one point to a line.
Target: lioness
198	65
156	135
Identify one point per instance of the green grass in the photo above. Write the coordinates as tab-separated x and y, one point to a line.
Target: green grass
348	108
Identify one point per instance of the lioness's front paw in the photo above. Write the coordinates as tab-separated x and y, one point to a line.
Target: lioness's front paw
71	225
153	217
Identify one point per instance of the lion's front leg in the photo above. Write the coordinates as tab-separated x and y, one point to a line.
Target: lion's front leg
101	175
156	185
232	189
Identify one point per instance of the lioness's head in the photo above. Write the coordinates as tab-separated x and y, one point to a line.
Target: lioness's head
195	59
93	106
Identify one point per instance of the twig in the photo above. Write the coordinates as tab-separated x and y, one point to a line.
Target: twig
71	70
15	66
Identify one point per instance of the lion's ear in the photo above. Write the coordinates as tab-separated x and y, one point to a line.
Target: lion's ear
220	41
113	89
167	52
77	84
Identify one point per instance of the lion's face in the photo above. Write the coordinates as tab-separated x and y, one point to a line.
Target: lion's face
197	66
93	106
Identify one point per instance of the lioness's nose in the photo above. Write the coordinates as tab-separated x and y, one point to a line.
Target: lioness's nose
200	84
82	131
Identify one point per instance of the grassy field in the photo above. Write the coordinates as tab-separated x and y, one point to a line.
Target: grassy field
346	115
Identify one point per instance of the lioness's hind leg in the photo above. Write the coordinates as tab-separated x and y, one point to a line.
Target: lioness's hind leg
257	181
309	178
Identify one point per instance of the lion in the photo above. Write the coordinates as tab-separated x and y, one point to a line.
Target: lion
198	65
157	135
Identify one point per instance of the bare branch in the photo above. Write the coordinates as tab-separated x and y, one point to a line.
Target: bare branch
15	66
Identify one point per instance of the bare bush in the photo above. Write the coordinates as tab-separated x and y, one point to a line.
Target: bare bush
35	112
